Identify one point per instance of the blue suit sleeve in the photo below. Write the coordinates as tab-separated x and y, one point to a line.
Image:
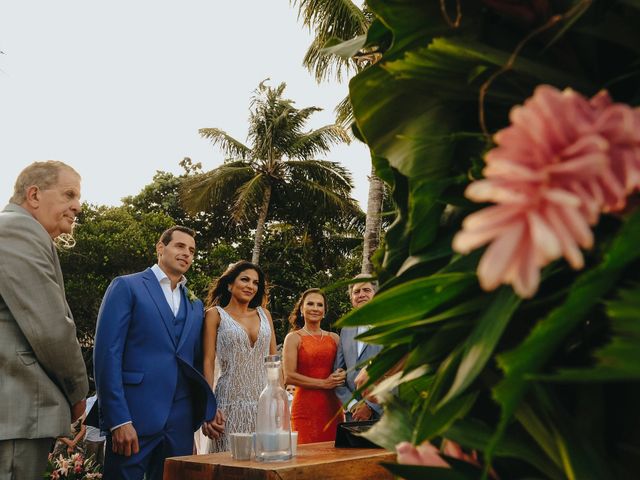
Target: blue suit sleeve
114	318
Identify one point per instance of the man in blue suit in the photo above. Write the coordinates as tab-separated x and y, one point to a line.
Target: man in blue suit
147	350
353	352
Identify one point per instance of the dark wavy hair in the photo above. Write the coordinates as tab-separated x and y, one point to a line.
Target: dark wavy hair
295	317
219	289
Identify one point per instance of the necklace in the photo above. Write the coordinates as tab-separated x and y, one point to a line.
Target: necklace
314	336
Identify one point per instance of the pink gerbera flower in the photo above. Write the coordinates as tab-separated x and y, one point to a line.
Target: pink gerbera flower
561	162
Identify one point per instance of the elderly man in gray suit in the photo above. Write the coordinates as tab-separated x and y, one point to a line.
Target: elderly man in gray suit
43	379
352	352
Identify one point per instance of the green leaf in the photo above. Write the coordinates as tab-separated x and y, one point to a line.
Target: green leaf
619	359
409	300
474	435
393	427
378	334
448	62
435	422
383	362
483	340
344	48
532	354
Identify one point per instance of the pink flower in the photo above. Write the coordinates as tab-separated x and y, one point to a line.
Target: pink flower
424	454
562	161
427	455
619	124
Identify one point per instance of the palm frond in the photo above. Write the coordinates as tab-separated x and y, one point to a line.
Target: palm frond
344	114
318	141
229	145
332	174
330	18
200	192
325	66
327	198
248	197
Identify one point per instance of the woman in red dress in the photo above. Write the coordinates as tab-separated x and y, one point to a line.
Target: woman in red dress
309	353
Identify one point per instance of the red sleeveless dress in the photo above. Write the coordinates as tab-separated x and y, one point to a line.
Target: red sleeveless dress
313	412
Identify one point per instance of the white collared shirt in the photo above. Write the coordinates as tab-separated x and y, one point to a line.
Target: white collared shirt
359	344
173	296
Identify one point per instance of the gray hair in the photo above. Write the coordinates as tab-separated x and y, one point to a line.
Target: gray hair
367	279
42	174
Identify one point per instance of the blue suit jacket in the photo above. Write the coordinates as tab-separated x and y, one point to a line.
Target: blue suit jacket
136	357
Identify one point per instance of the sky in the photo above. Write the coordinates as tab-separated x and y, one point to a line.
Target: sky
119	89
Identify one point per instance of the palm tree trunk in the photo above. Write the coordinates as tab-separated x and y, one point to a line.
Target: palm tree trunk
373	225
262	219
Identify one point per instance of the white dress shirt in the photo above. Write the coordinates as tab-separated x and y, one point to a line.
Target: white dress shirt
360	344
173	296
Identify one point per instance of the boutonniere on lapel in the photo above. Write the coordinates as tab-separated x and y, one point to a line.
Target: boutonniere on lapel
191	296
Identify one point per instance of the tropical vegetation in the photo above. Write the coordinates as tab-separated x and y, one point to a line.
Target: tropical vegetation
278	171
336	27
539	387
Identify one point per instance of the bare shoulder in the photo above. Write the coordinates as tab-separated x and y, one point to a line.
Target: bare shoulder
292	339
212	315
335	336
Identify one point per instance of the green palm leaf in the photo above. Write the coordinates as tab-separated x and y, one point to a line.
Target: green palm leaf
229	145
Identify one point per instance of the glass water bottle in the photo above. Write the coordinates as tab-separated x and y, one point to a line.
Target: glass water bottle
273	427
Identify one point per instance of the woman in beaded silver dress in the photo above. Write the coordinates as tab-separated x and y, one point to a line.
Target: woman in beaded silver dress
240	332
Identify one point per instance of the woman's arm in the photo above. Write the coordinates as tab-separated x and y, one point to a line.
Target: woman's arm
209	339
214	428
80	435
290	367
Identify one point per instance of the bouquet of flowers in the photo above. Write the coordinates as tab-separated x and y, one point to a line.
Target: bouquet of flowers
74	467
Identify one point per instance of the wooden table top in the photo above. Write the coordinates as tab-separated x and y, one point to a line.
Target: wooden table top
314	461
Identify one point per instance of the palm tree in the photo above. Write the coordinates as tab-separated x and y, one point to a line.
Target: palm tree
331	20
343	20
278	168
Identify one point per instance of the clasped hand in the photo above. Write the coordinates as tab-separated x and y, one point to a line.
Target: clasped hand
214	428
336	379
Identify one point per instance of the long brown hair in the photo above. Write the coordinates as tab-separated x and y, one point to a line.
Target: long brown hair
219	293
295	317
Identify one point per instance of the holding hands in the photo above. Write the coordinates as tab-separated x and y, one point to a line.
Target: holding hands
214	428
336	379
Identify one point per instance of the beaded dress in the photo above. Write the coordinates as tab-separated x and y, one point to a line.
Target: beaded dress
242	375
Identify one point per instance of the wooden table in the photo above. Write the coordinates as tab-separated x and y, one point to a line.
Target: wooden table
314	461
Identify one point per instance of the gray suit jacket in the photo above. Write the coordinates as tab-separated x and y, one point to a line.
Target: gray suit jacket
42	372
347	358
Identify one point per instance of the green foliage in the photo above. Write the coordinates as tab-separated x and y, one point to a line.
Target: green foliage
277	177
514	380
162	195
331	22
